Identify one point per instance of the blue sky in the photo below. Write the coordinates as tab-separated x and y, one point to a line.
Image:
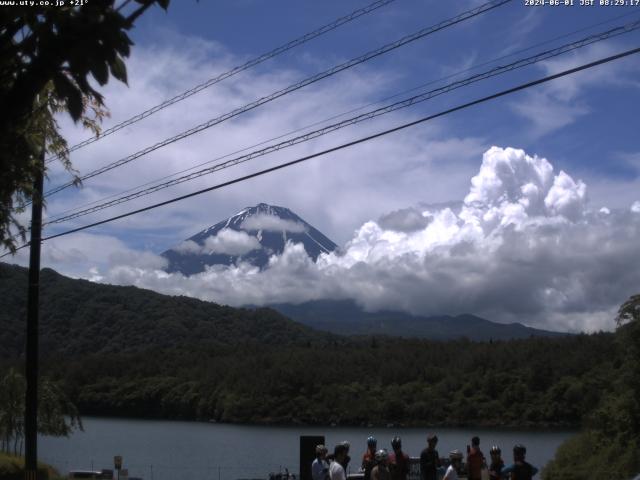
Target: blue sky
250	27
598	111
585	125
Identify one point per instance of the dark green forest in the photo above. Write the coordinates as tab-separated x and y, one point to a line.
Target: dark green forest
127	351
124	351
379	381
609	444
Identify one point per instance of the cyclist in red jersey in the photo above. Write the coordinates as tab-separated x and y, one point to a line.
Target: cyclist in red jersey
398	461
369	457
475	460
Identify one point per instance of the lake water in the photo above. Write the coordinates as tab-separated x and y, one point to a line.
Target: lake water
163	450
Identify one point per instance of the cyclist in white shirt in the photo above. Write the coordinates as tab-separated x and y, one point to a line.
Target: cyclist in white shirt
336	470
456	462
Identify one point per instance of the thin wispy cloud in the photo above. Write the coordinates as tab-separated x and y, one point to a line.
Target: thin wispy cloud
563	102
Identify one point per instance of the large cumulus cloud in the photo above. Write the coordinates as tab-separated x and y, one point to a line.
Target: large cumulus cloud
524	245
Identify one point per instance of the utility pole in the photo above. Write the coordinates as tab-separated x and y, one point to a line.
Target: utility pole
31	397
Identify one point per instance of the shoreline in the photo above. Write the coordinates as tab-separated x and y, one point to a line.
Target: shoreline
560	428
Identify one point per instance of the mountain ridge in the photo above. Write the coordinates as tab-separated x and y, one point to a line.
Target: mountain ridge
345	317
251	235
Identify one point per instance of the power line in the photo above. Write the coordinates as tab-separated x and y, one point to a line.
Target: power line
234	71
308	81
333	117
359	118
502	93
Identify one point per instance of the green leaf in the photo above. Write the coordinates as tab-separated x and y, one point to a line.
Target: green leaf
122	43
72	95
100	71
119	70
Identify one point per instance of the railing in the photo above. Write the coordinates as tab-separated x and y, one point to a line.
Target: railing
142	471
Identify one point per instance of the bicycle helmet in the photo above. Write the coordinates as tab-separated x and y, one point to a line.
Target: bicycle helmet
455	454
382	455
519	450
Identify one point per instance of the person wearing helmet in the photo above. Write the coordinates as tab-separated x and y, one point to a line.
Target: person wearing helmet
320	467
475	460
369	457
398	461
495	469
429	459
455	456
520	469
381	470
336	469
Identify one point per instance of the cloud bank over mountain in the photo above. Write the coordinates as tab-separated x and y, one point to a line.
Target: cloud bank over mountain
271	223
231	243
524	245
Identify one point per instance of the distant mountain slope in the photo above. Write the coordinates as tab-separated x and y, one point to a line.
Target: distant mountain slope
251	235
346	318
79	317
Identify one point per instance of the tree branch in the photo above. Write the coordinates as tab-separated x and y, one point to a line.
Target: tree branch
136	13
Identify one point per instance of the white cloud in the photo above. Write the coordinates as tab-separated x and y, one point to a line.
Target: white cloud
188	247
405	220
500	180
146	260
85	254
566	197
560	103
523	246
635	207
230	242
546	113
271	223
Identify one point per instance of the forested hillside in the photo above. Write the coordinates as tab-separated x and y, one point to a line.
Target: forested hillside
536	382
78	317
126	351
609	445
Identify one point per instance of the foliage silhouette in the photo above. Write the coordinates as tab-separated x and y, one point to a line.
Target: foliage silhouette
48	56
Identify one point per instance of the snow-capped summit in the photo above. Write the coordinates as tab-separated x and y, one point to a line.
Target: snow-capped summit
252	235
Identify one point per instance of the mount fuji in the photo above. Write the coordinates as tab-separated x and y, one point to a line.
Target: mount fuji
252	235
